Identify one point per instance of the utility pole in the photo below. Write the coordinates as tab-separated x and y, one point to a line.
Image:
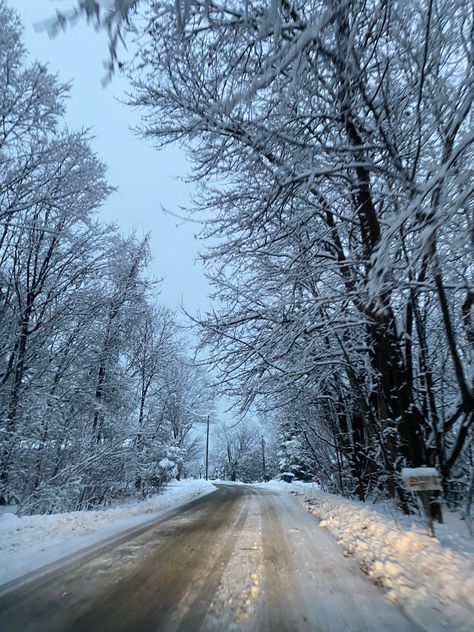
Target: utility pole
207	449
263	458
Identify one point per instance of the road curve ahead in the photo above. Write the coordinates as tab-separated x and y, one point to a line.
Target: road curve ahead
239	559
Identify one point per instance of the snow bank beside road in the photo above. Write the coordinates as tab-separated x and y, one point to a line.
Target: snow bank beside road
431	578
30	542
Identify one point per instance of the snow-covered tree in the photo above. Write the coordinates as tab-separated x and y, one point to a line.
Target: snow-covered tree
97	394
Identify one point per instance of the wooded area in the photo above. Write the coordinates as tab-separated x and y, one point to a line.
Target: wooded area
97	395
334	142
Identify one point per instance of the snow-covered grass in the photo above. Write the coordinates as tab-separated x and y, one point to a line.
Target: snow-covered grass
29	542
430	578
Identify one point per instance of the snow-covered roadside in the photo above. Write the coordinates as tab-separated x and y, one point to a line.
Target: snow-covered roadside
432	579
30	542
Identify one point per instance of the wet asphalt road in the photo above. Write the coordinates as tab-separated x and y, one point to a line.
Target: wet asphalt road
239	559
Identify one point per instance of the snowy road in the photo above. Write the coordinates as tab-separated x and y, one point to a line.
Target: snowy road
241	558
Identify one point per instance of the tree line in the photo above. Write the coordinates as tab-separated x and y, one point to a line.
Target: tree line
98	394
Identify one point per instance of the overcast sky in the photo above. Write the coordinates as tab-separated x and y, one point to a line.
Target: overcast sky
146	179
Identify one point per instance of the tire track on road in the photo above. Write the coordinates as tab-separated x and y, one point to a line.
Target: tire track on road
199	607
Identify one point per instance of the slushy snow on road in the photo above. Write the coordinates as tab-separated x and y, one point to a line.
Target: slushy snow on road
432	579
29	542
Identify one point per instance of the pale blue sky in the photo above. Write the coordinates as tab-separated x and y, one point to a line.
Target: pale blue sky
147	179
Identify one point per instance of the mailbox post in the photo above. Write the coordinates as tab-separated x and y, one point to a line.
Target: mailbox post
422	480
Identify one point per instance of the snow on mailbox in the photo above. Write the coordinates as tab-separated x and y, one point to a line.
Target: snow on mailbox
421	479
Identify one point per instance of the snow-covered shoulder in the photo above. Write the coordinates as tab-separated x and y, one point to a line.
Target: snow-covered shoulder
29	542
432	579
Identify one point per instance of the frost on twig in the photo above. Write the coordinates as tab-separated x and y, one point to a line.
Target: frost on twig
111	16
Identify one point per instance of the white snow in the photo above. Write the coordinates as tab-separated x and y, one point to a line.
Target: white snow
432	579
28	543
407	472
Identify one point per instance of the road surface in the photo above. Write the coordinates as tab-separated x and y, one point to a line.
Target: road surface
241	559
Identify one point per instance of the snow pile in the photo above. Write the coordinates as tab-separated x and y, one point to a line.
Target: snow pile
30	542
428	577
